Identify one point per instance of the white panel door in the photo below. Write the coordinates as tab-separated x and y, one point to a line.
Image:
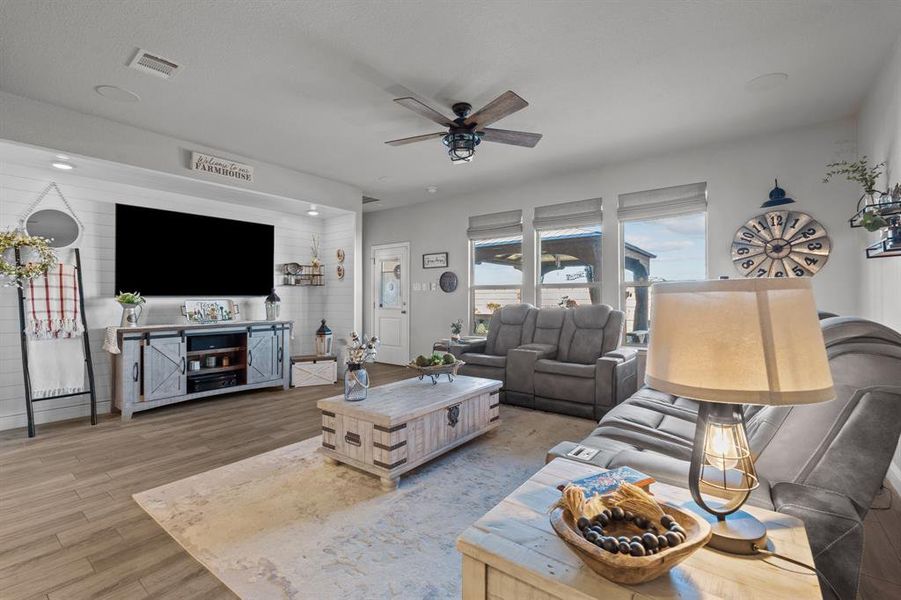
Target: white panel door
390	293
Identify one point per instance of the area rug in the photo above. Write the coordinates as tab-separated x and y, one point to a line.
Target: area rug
285	524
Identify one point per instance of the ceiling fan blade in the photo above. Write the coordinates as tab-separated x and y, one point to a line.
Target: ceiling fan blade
514	138
416	138
424	110
505	104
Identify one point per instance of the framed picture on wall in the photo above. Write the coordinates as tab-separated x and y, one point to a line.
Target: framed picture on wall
434	260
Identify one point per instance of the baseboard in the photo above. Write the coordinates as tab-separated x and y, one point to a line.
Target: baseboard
52	415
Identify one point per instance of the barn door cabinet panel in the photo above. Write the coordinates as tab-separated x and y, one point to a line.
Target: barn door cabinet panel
152	369
166	367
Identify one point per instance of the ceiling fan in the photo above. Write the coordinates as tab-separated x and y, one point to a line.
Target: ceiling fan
468	130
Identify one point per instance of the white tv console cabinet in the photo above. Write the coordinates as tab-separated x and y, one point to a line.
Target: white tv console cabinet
154	366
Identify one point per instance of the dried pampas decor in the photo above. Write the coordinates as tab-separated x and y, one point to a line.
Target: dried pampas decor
636	500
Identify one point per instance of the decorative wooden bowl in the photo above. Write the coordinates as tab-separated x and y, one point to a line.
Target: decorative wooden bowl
437	371
627	569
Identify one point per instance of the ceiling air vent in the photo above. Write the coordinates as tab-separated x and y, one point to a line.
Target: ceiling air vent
369	200
153	64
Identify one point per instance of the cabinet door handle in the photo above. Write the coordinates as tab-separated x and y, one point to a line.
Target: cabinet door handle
135	372
249	357
281	353
353	439
182	365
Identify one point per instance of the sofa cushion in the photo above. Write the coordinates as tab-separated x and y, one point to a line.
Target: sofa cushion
561	368
486	360
548	324
509	326
585	336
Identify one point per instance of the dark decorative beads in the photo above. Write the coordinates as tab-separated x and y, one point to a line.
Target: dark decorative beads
647	544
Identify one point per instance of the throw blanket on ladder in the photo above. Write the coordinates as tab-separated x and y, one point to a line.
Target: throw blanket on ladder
53	328
52	305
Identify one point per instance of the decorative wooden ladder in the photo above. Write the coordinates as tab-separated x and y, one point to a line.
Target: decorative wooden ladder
29	399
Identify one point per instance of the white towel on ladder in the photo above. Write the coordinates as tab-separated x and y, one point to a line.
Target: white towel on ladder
56	366
53	331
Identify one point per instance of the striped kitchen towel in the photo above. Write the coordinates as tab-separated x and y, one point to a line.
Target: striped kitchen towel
52	304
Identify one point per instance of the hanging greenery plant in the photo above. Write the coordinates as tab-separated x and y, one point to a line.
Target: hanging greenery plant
35	255
858	171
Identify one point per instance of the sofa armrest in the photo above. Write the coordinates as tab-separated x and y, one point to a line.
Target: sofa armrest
458	349
834	529
616	375
542	350
520	373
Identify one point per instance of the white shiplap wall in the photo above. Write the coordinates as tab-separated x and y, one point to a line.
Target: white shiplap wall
94	201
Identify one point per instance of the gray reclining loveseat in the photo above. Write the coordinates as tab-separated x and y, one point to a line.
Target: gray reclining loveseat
823	463
555	359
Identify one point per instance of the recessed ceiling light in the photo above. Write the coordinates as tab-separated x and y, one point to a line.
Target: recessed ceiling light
313	212
765	83
114	92
62	166
432	189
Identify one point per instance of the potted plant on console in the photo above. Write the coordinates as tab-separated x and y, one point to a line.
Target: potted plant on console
132	308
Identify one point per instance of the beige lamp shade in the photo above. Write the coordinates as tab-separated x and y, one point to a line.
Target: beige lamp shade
738	341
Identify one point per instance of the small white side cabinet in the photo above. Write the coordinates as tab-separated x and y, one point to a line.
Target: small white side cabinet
165	364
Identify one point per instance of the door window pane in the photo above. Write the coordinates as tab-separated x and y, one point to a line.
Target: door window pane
389	290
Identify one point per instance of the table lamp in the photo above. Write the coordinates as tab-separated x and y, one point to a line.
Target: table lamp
727	343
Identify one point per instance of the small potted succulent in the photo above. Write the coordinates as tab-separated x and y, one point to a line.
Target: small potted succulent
456	329
132	308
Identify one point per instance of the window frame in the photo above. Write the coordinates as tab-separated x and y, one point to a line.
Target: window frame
625	285
588	285
473	288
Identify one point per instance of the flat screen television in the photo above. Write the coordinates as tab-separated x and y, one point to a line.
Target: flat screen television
166	253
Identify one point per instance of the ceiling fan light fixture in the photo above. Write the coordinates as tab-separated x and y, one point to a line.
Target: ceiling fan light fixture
461	145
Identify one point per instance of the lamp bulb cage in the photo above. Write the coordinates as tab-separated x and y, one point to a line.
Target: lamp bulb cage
461	145
721	461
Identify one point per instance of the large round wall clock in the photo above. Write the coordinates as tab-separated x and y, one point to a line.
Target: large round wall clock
781	243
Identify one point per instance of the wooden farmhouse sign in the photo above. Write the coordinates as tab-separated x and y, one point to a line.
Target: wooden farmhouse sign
221	166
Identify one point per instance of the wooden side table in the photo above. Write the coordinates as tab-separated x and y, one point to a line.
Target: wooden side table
512	553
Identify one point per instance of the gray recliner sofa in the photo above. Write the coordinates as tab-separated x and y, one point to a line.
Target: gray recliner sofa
823	463
560	360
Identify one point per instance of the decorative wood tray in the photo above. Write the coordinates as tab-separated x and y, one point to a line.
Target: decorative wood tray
437	371
623	568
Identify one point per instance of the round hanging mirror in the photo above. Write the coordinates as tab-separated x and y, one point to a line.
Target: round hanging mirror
59	227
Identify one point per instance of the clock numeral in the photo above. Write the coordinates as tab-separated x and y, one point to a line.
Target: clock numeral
794	222
779	274
809	233
747	235
798	271
811	261
742	251
747	264
776	220
814	246
761	272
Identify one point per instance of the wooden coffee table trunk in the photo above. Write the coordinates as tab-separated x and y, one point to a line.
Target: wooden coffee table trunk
407	423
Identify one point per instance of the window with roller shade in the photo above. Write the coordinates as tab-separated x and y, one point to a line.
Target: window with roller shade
568	243
495	265
664	234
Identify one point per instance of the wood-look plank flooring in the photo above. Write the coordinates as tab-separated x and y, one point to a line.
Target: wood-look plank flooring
69	529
